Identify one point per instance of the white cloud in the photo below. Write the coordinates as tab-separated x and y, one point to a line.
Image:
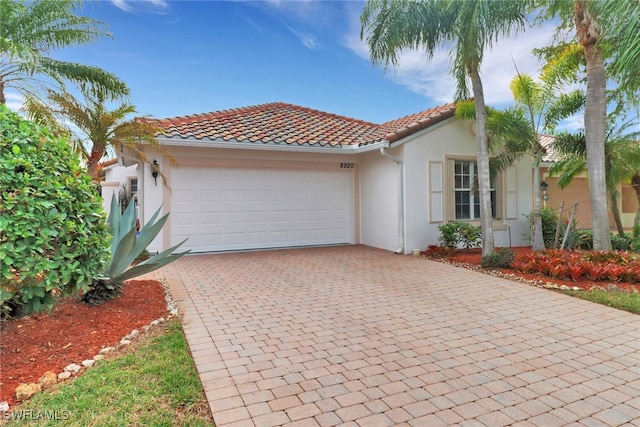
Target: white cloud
127	5
431	77
572	124
309	41
15	101
122	4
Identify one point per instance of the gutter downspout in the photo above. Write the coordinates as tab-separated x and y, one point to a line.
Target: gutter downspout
400	164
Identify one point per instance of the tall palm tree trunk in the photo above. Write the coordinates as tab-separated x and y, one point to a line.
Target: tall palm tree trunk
635	183
613	195
97	152
484	183
538	240
3	99
595	114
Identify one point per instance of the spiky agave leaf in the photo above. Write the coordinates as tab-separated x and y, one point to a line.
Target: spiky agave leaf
127	244
153	263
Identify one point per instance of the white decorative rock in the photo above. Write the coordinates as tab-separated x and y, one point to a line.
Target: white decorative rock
125	342
98	357
106	350
134	333
88	363
64	375
73	368
155	323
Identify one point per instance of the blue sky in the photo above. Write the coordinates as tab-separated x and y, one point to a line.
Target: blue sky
190	57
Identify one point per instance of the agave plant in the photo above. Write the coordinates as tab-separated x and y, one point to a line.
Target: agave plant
126	245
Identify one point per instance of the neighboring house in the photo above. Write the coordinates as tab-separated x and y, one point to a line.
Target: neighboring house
281	175
119	181
578	191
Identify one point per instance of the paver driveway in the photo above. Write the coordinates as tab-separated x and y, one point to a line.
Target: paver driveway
359	336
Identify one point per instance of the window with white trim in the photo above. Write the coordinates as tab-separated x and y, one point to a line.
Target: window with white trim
466	200
133	186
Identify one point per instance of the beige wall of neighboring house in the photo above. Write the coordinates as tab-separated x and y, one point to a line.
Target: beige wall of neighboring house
578	190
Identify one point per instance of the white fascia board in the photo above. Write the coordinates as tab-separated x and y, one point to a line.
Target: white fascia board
371	147
255	146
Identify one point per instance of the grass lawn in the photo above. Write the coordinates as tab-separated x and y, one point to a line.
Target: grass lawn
154	383
621	300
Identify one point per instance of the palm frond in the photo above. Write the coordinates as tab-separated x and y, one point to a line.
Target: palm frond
567	169
563	107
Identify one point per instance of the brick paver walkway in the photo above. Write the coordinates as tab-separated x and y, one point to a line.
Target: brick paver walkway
357	336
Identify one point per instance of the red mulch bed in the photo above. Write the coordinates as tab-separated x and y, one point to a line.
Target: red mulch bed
73	332
472	257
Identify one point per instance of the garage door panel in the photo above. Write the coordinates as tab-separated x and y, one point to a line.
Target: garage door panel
229	209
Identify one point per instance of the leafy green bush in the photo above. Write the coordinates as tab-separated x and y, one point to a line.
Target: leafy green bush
634	244
619	243
549	222
455	234
448	235
500	259
53	235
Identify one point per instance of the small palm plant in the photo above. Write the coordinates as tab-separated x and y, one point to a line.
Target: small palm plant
126	245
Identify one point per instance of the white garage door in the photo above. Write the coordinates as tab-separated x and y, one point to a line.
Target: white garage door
221	209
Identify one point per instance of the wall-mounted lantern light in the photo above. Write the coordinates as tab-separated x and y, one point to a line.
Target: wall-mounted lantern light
155	171
544	186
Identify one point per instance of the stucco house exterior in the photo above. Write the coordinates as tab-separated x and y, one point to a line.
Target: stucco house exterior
280	175
578	191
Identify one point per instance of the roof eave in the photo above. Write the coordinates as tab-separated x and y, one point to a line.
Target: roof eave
394	142
262	146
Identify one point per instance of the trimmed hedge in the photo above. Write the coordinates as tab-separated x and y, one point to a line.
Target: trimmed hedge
53	234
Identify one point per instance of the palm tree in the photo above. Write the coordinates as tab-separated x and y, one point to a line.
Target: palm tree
622	160
466	27
621	22
611	27
516	131
98	128
29	32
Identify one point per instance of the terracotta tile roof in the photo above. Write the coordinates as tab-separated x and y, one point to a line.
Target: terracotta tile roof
395	130
108	163
283	123
547	143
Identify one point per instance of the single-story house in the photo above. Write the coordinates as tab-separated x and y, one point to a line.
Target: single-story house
578	191
280	175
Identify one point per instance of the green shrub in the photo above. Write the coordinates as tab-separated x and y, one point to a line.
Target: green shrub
455	234
448	235
500	259
549	222
53	235
619	243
